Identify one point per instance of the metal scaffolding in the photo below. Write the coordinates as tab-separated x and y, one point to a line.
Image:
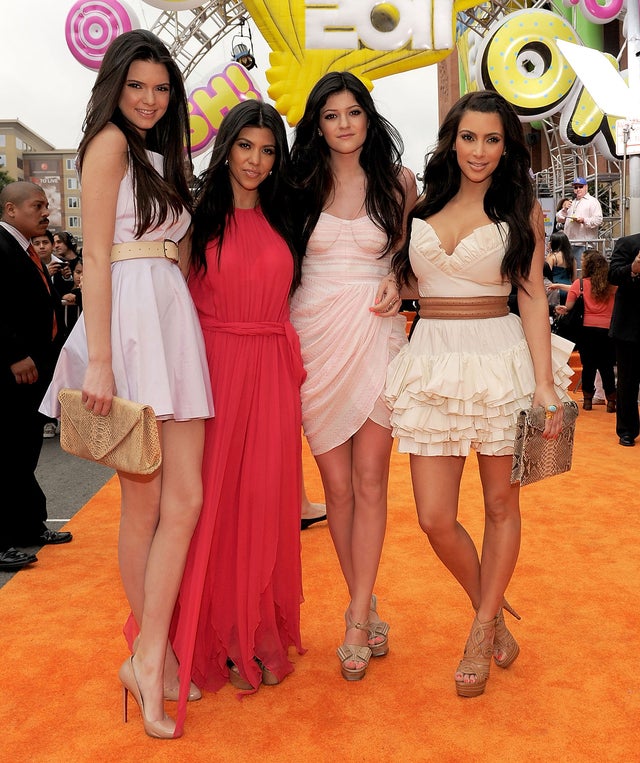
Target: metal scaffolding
566	162
191	34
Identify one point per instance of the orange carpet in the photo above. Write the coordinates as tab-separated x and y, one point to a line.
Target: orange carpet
572	695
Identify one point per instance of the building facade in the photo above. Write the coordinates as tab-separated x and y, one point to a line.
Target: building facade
24	155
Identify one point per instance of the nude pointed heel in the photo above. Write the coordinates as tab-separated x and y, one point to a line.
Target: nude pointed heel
378	629
503	641
171	695
354	653
477	658
163	729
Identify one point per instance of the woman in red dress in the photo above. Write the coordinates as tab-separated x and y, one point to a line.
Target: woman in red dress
239	606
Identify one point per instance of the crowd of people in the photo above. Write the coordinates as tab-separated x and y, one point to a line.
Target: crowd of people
261	303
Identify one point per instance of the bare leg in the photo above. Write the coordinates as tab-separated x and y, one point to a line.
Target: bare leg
438	517
501	541
485	582
158	519
355	477
310	510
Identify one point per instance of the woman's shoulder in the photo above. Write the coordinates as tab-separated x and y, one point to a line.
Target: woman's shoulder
410	187
109	143
105	161
407	178
111	136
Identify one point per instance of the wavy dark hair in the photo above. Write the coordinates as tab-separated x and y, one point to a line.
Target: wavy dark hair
214	193
156	197
510	197
381	159
596	268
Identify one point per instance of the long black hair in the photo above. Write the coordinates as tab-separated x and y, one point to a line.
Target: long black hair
559	242
155	196
510	197
381	159
214	192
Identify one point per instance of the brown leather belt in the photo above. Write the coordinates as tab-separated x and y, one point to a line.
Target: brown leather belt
461	308
134	250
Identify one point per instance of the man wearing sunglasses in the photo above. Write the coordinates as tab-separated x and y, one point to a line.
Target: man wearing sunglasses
582	219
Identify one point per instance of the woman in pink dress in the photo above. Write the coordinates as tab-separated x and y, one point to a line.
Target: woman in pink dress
239	605
353	196
139	337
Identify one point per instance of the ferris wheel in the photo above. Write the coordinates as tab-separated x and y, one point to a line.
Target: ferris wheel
190	34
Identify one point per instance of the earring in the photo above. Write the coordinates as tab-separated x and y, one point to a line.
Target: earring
226	162
271	172
319	132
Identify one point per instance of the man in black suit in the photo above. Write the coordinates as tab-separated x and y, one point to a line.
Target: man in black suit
29	344
624	272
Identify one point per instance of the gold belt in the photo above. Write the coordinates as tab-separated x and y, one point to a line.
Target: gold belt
134	250
462	308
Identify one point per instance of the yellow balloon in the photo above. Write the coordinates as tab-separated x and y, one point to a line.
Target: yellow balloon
296	67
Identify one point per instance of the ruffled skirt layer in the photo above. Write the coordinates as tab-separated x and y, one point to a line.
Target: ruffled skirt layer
446	402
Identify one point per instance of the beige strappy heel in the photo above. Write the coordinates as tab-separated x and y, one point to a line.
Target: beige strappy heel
477	658
378	629
354	653
503	642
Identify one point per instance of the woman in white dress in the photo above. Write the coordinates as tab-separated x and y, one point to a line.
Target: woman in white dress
139	337
471	365
353	195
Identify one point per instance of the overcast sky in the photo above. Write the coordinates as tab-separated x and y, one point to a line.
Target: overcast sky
47	89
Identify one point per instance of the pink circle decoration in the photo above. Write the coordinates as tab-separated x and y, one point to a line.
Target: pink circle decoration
92	25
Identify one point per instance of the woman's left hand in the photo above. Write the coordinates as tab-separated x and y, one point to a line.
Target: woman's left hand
545	396
388	302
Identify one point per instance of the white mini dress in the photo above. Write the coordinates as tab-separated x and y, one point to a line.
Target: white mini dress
158	352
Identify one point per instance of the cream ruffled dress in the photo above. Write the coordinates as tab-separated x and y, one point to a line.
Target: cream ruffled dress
459	384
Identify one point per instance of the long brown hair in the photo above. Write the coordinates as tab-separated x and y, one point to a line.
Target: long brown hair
510	197
155	196
596	268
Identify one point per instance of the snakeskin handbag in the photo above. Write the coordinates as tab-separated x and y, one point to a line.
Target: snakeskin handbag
534	457
126	439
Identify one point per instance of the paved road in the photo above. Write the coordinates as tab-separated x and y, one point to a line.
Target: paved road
68	483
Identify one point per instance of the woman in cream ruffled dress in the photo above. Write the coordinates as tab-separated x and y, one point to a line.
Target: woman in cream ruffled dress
471	365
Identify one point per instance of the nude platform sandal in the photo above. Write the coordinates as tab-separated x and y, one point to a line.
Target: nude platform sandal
354	653
503	641
477	658
378	630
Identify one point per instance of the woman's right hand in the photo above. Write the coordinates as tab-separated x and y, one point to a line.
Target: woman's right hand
98	387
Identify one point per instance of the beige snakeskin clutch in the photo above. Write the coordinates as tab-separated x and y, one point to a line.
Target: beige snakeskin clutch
534	457
126	439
